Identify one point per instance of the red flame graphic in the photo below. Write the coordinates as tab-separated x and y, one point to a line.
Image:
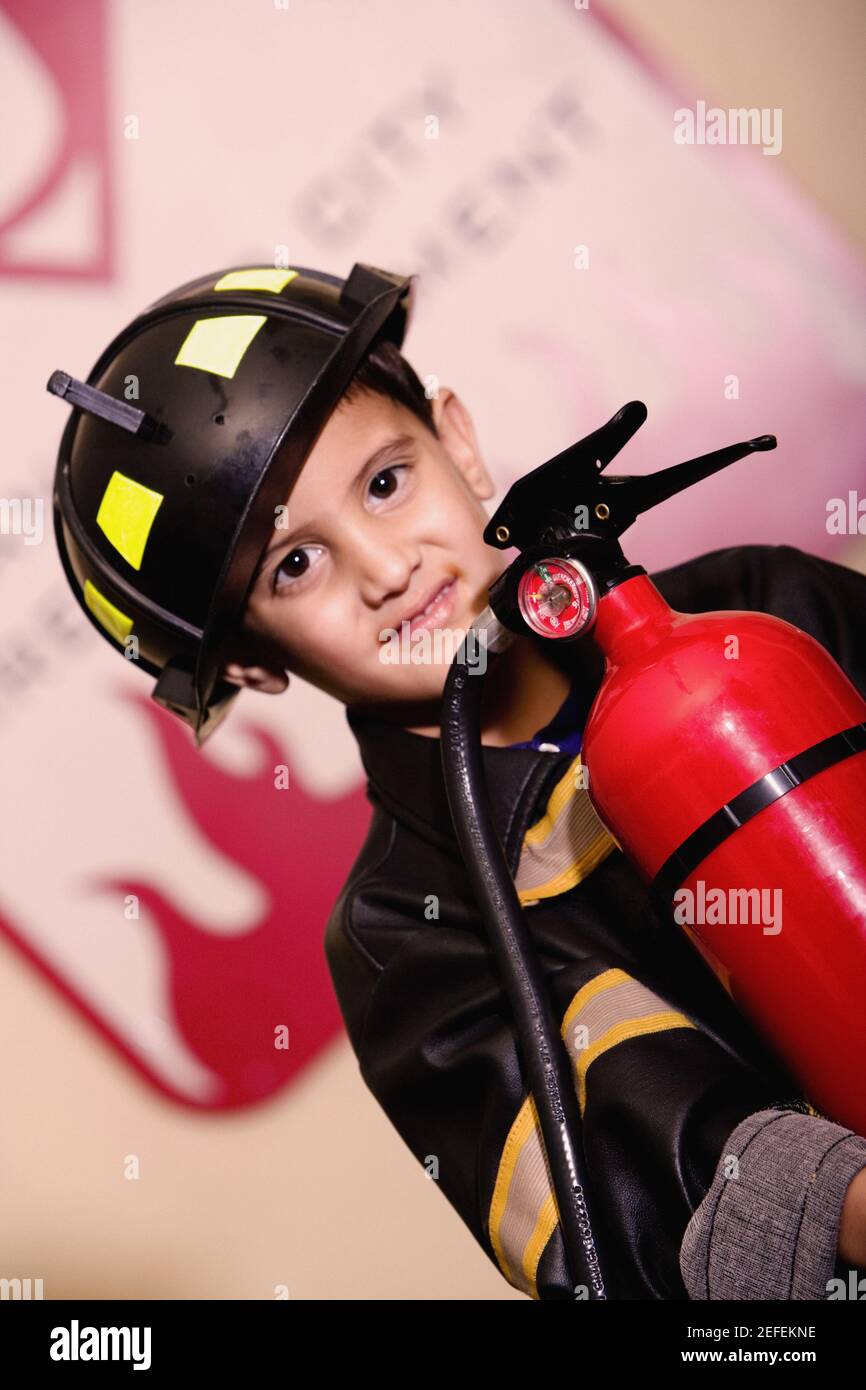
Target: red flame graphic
229	995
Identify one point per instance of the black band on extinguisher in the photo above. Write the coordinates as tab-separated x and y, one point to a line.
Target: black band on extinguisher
764	792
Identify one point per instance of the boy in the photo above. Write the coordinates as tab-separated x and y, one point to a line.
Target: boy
710	1174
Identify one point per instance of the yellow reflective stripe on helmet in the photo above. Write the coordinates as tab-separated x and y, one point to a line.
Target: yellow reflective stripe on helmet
217	345
266	278
117	624
126	515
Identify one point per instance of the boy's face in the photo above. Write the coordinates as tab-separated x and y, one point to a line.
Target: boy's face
366	544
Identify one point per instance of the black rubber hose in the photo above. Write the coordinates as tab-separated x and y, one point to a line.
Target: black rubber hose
545	1059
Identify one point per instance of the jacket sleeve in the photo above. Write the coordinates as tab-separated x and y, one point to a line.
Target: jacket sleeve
768	1227
664	1096
658	1094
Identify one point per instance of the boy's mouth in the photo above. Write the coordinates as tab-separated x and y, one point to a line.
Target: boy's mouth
435	609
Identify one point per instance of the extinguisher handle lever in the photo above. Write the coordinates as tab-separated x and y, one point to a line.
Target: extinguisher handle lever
645	492
568	495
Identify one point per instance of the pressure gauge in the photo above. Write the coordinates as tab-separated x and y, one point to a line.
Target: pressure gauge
558	598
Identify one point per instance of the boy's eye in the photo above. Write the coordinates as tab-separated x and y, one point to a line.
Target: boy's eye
295	564
386	482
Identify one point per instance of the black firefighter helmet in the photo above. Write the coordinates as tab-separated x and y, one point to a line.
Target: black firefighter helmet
185	439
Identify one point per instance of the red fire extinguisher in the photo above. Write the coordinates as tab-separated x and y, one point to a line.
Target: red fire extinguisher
725	752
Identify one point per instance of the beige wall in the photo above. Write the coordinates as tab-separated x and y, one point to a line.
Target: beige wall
803	57
807	59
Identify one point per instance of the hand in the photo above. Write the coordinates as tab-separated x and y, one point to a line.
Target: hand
852	1226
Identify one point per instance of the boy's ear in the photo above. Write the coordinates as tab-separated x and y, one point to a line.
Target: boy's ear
457	433
251	666
256	678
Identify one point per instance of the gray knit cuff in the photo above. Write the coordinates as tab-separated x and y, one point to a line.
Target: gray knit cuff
768	1227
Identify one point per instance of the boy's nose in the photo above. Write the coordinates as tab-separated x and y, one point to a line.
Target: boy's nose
385	565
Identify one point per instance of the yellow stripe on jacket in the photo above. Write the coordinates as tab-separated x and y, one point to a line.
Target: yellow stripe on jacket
610	1009
565	844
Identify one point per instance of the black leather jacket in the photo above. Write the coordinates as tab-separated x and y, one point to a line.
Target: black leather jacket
677	1067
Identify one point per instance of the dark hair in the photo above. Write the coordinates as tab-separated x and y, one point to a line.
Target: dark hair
383	370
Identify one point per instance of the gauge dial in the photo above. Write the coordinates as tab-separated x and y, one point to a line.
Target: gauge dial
558	598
